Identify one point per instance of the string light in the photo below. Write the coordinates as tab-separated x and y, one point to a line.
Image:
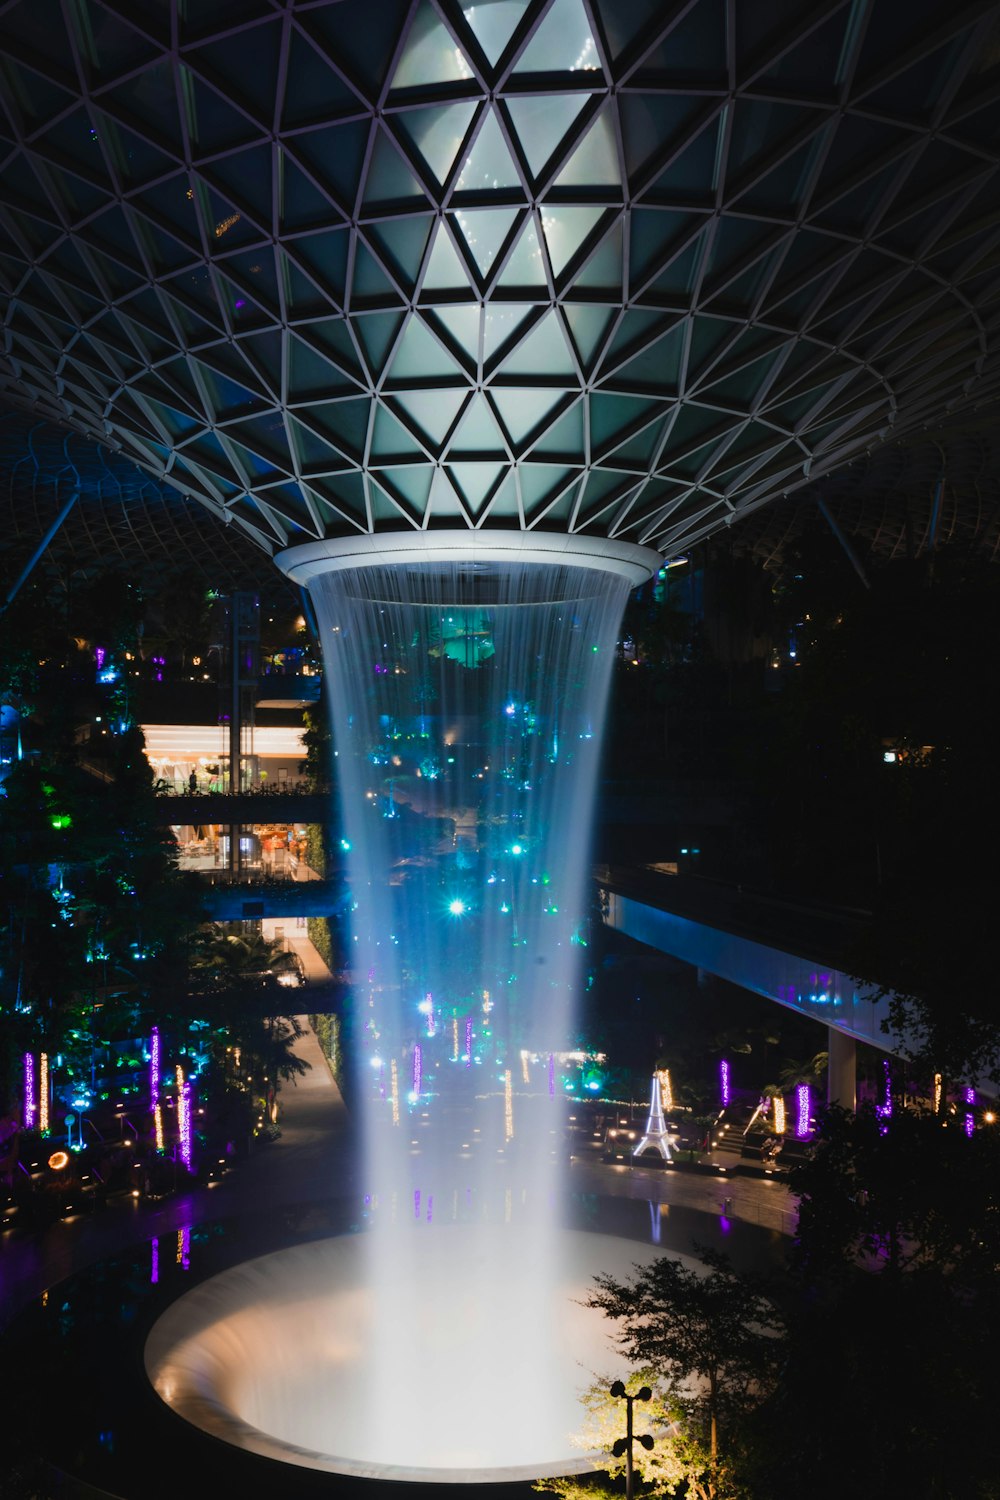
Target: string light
552	1075
394	1090
525	1075
937	1093
724	1083
970	1120
454	1039
30	1096
184	1116
779	1115
884	1110
666	1092
508	1106
468	1043
154	1065
43	1093
158	1126
417	1068
802	1095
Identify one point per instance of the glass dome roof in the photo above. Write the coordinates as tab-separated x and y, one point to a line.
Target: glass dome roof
603	267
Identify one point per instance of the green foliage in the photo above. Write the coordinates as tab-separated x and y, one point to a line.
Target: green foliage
318	930
712	1337
327	1029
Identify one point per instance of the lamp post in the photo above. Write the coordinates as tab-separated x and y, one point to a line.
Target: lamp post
624	1445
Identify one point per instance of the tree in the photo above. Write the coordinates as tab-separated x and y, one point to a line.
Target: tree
675	1459
712	1336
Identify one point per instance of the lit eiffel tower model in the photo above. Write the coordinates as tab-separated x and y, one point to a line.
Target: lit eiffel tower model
656	1126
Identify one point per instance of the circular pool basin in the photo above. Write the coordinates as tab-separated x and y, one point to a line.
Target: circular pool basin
454	1371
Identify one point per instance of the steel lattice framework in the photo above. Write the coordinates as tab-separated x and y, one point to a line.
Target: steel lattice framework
612	267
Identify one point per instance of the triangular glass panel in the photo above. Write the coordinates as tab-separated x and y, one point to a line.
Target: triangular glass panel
656	367
433	412
332	335
637	327
384	508
489	164
655	236
563	43
319	92
445	271
493	23
603	270
540	483
390	438
431	54
419	355
484	231
690	177
588	326
566	230
524	410
344	494
525	266
345	423
301	204
462	323
389	179
501	321
477	429
314	453
708	337
401	243
370	281
444	501
611	418
594	163
505	504
324	257
376	332
335	156
651	123
436	134
543	352
638	451
251	464
541	122
674	282
412	482
346	33
474	481
564	436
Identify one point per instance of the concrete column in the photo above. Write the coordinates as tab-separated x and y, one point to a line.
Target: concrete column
842	1073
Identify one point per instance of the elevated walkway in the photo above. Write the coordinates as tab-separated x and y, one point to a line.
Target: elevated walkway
788	952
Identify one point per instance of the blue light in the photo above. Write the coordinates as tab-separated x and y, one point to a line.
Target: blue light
345	844
457	907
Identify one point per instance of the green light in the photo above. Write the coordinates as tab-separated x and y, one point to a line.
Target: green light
61	820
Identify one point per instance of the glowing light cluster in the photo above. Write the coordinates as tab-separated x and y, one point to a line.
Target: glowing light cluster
884	1110
468	1043
454	1039
394	1090
525	1075
779	1114
552	1075
183	1116
508	1106
666	1091
43	1093
154	1065
803	1099
724	1092
969	1123
30	1094
158	1126
417	1069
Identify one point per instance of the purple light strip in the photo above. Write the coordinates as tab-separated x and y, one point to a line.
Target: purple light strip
802	1095
468	1043
417	1068
552	1075
969	1123
724	1083
154	1262
154	1066
30	1092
